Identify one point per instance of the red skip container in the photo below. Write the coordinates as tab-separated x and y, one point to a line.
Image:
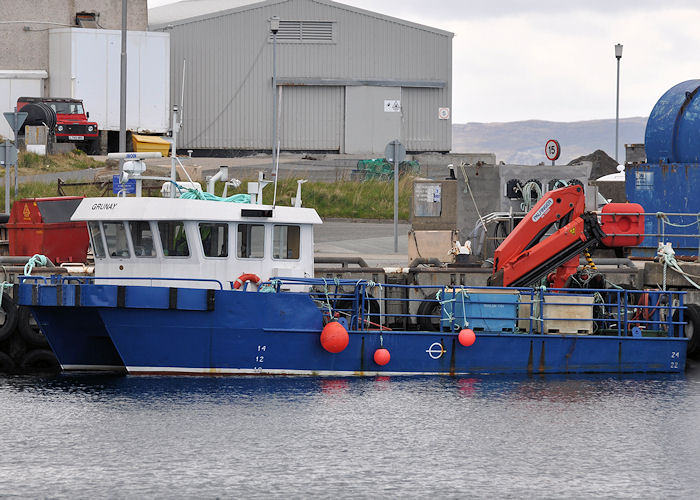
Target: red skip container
43	226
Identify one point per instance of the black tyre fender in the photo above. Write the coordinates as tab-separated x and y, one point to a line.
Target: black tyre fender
29	329
371	312
426	309
691	330
7	365
8	316
40	360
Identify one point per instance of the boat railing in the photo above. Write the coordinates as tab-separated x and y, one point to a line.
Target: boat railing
364	305
92	280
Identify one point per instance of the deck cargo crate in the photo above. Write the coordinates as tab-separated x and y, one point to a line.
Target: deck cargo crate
480	309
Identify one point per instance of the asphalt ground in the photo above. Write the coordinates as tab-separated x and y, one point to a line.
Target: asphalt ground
373	241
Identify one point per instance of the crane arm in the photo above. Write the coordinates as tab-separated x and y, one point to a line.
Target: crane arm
560	206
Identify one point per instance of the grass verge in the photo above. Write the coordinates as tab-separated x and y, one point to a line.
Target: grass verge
343	199
33	164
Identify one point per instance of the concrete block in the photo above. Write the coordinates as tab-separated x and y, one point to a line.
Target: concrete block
654	275
36	135
434	205
39	149
62	147
431	245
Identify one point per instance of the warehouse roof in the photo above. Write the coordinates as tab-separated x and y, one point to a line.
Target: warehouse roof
186	11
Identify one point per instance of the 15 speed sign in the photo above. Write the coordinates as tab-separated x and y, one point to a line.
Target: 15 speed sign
552	150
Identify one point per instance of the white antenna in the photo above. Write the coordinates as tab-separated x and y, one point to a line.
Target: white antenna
277	152
277	171
177	123
182	90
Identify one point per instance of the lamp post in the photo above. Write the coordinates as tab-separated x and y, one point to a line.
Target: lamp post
274	28
618	56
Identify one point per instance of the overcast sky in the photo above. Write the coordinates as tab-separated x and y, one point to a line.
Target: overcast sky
553	60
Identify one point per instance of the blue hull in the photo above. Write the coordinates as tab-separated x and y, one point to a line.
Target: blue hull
154	330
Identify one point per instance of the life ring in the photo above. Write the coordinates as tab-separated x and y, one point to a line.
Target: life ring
253	278
9	311
29	329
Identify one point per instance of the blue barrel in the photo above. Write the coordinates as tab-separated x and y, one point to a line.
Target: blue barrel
672	129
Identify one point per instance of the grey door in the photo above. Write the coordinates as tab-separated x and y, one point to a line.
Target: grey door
369	125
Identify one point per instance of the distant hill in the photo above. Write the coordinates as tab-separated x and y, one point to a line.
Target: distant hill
523	142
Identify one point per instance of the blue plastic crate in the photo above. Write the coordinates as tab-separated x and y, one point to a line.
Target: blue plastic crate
481	311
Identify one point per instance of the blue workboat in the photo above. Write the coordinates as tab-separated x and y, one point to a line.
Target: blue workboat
207	287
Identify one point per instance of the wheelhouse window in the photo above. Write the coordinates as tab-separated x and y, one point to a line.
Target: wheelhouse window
142	238
251	241
174	239
214	239
98	248
117	244
285	242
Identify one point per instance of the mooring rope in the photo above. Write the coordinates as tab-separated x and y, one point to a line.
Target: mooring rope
668	255
41	260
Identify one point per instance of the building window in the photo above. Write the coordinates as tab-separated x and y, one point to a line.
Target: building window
305	31
117	244
251	241
285	242
214	239
98	248
174	239
142	238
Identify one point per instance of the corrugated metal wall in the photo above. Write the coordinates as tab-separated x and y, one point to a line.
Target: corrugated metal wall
228	88
311	118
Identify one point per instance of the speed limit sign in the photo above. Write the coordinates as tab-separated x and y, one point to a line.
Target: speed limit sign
552	150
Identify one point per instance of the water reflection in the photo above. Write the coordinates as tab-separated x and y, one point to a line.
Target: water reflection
560	388
490	436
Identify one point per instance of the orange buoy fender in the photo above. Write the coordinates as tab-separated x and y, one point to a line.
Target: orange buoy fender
245	277
334	337
382	356
466	337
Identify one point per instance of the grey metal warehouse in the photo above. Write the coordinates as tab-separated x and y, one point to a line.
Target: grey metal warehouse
348	80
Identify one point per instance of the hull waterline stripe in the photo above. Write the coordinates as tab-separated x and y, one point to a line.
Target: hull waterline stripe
93	368
163	370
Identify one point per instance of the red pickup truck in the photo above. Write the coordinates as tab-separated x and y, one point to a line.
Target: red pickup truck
71	122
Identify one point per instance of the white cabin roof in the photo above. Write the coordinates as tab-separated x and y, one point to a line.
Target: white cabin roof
156	209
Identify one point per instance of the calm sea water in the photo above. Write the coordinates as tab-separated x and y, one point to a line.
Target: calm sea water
259	437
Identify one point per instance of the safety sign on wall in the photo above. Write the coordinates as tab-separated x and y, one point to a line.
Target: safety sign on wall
392	106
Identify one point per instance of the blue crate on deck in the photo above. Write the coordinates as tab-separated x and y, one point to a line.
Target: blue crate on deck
481	310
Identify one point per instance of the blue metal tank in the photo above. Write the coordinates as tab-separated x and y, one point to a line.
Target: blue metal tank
672	129
669	182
